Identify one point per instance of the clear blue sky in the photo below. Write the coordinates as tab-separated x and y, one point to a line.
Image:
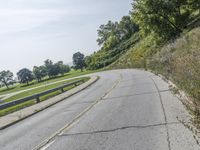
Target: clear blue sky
34	30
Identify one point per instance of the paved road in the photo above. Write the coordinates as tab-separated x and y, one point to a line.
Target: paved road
124	110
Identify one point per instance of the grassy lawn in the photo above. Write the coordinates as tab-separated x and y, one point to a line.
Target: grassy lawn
33	84
35	91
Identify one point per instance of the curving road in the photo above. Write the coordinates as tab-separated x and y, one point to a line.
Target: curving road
124	110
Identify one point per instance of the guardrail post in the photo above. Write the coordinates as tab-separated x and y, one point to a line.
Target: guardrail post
62	90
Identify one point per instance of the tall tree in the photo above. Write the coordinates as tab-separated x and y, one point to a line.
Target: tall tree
39	72
79	61
127	27
106	31
167	18
25	76
62	68
51	68
6	77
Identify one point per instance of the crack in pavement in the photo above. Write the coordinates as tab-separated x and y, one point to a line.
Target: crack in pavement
143	83
164	113
145	93
121	128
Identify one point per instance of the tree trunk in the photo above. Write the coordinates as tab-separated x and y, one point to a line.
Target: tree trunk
6	85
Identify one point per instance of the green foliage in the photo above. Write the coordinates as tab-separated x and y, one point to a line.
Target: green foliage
54	69
127	27
165	18
115	39
136	56
39	72
25	76
105	31
6	77
104	58
51	68
113	33
79	61
63	68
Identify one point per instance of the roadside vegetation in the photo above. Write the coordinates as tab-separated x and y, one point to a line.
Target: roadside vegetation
45	81
164	37
36	91
41	78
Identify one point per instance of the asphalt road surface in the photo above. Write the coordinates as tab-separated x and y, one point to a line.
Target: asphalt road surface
124	110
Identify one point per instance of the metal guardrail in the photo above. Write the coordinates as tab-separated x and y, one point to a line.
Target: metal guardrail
37	96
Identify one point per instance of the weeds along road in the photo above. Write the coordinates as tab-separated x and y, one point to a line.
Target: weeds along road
124	110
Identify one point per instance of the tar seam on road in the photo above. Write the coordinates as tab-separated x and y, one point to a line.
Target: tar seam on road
50	140
164	113
145	93
121	128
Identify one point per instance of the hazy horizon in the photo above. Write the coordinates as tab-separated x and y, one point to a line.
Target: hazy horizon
33	31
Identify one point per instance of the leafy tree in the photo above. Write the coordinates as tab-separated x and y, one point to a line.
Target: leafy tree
127	27
48	64
25	76
52	70
88	61
79	61
113	33
6	77
106	31
165	18
39	72
62	67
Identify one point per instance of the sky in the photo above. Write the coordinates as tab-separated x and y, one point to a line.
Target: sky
32	31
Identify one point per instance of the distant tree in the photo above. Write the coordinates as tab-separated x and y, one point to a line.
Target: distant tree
79	61
62	68
6	77
39	72
25	76
51	69
54	69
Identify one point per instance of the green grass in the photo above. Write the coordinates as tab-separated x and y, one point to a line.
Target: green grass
42	89
45	81
35	91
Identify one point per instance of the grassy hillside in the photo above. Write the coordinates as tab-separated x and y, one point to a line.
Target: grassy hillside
178	61
104	58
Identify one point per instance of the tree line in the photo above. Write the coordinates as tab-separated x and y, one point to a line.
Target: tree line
164	20
48	69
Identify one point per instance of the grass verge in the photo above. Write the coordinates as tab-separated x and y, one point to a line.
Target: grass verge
34	84
43	98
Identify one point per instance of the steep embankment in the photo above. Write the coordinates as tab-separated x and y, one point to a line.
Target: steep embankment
179	61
